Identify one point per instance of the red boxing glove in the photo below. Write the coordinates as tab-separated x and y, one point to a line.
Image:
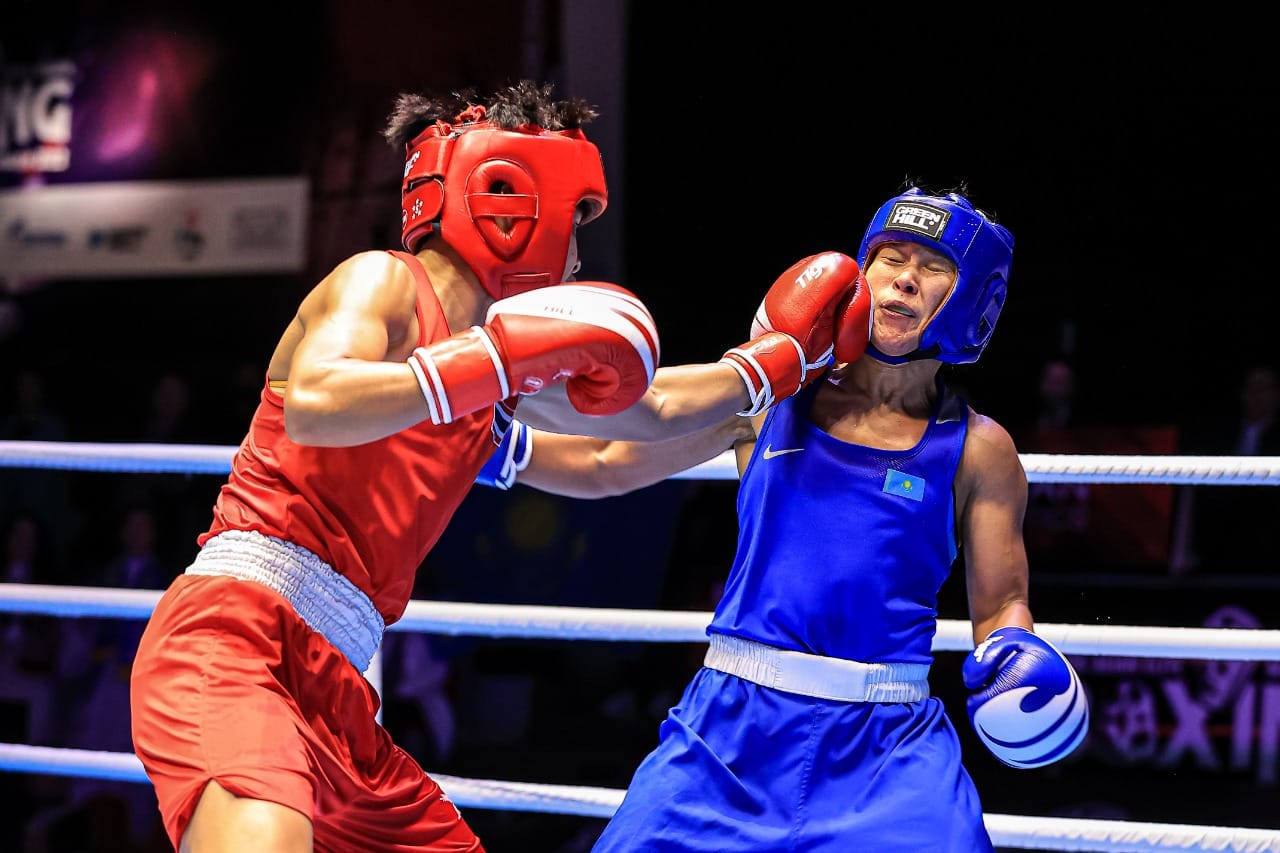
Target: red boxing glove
853	323
598	338
771	366
794	328
803	304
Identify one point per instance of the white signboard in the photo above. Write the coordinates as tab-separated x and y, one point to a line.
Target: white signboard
154	228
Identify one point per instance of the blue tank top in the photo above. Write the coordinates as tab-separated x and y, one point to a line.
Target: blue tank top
842	548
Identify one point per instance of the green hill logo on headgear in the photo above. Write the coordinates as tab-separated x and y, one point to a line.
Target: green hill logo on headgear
929	221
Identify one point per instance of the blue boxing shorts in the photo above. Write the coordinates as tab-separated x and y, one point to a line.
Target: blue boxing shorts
740	767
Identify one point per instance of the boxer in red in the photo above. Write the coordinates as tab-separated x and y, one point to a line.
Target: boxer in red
388	392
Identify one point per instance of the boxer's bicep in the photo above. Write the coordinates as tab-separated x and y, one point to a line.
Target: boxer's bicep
360	311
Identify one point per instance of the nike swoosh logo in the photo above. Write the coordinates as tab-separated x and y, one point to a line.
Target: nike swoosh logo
769	452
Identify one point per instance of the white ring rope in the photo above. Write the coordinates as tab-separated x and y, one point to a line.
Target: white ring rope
668	626
493	620
1040	467
1021	832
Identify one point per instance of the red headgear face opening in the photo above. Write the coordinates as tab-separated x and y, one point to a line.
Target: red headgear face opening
466	182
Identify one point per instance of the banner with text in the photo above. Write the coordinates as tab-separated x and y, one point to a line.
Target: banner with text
153	228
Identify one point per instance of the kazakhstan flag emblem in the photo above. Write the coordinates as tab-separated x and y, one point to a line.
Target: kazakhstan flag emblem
904	485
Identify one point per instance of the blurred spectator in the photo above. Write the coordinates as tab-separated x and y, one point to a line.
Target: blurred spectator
419	683
1082	527
1056	526
238	398
12	318
1259	423
98	653
701	554
28	643
1057	396
418	706
28	655
31	419
1232	529
44	492
170	418
93	688
183	502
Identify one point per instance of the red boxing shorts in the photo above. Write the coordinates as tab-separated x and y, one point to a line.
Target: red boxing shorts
229	684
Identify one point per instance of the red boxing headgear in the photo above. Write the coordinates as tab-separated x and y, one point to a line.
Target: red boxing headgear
451	177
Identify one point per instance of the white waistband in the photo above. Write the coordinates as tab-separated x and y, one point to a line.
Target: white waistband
331	605
818	676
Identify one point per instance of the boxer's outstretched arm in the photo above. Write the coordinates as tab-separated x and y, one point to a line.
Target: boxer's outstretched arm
349	381
681	400
581	467
792	340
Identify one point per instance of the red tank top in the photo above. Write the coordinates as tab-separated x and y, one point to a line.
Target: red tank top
372	511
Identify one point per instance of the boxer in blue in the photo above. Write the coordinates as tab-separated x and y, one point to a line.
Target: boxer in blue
811	726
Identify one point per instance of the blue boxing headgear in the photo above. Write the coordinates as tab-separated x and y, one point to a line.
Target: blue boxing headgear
982	251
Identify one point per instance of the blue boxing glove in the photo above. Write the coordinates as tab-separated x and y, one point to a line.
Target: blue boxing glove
512	454
1028	705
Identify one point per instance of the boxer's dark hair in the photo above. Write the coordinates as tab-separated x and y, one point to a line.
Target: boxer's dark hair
525	102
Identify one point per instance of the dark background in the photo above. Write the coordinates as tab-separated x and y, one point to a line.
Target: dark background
1131	160
1132	157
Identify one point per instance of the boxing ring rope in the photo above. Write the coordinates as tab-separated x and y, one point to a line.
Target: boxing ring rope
1030	833
142	458
455	618
531	621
